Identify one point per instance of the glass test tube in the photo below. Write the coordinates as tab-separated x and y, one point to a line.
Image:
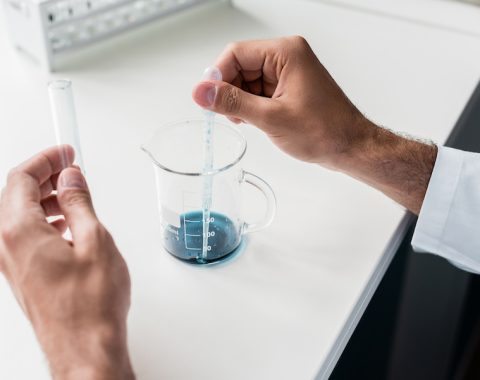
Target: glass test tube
64	118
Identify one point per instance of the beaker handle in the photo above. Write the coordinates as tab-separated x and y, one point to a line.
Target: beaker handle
267	191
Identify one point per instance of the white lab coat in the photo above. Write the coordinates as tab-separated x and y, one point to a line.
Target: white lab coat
449	221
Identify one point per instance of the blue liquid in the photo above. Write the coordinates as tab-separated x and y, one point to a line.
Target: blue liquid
186	242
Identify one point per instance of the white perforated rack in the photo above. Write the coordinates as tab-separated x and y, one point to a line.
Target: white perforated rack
46	28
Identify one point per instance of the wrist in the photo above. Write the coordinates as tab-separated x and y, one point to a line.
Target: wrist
101	353
375	147
398	166
359	138
93	373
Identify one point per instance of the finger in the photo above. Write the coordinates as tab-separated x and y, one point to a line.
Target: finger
50	206
255	87
76	204
21	197
54	180
47	163
60	225
238	81
232	101
25	184
46	189
248	58
50	185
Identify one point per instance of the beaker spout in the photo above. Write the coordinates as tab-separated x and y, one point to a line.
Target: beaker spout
148	153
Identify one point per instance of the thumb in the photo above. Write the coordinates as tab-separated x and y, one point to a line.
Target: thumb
75	202
229	100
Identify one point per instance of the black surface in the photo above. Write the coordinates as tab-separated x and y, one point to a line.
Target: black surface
424	319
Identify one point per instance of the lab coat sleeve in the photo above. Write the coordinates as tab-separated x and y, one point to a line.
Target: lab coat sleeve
449	221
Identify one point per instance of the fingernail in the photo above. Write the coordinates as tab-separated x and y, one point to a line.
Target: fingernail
73	179
212	73
205	94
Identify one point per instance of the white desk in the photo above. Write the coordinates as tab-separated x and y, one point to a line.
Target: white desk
285	307
451	15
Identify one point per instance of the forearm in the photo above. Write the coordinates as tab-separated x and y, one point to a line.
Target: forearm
397	166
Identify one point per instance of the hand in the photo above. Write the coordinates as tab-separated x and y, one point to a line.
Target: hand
76	294
281	87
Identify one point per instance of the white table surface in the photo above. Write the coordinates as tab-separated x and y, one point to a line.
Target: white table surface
452	15
286	306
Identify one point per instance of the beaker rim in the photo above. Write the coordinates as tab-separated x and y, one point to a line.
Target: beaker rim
197	173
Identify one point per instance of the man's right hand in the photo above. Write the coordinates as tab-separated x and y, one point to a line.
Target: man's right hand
281	87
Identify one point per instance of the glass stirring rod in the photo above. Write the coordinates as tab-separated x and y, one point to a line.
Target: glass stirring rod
64	118
211	73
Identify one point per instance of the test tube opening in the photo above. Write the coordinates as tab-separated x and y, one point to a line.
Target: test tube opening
60	84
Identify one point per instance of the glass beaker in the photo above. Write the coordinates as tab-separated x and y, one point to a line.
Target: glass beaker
177	153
